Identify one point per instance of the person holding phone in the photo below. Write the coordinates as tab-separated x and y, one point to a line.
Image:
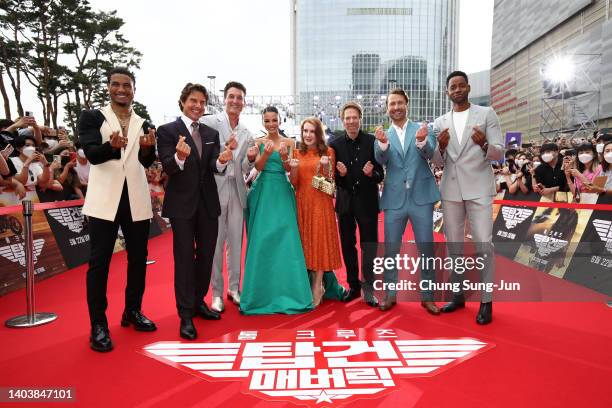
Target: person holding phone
31	165
119	144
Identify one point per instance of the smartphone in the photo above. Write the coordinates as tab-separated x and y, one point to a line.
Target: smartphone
29	113
73	156
57	159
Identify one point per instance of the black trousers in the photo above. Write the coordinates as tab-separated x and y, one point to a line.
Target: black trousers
367	221
102	236
194	242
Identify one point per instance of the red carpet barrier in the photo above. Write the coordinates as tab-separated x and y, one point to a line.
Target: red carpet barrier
61	237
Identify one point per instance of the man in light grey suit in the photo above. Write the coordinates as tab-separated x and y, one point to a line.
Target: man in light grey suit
232	192
469	138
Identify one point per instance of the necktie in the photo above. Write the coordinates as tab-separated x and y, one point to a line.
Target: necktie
195	135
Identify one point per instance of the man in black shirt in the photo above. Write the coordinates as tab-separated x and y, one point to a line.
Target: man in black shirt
550	176
357	178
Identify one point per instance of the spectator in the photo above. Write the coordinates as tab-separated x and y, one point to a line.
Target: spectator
584	171
32	166
606	167
82	169
550	177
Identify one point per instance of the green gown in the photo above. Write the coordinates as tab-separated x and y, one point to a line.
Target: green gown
275	277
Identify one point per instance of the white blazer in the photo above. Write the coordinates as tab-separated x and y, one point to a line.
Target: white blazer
106	180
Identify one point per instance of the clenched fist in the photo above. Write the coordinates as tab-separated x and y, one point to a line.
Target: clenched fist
380	135
232	143
117	141
443	138
148	140
368	168
422	132
225	156
252	153
269	147
182	149
342	170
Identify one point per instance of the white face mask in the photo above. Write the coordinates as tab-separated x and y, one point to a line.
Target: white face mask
608	157
547	157
585	157
599	147
51	142
81	153
536	164
520	162
28	151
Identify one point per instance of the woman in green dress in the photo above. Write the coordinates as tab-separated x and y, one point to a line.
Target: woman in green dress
275	277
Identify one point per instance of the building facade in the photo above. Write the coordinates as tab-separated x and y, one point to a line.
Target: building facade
358	49
550	63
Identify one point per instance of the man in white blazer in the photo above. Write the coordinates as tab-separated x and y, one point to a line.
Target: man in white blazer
232	192
120	145
469	138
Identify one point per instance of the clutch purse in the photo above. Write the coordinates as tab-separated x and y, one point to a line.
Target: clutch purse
322	183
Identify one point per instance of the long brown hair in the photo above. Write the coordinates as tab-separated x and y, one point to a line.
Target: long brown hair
319	140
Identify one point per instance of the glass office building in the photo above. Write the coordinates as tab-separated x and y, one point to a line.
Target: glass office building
359	49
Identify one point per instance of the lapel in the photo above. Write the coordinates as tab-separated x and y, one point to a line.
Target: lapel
394	140
133	131
409	135
182	130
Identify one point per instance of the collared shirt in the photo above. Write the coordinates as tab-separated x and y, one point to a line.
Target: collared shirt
353	146
401	132
181	163
552	177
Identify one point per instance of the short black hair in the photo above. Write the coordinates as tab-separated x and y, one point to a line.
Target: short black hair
456	73
549	147
4	123
20	141
122	71
233	84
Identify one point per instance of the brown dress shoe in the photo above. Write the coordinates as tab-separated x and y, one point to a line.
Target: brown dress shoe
431	308
387	303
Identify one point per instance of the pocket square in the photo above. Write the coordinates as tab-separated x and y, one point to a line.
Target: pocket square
209	142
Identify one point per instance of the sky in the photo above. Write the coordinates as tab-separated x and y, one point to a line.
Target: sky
245	40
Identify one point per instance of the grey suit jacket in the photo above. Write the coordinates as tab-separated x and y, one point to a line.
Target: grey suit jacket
467	168
242	166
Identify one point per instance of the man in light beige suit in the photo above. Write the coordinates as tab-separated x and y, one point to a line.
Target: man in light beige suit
469	138
232	193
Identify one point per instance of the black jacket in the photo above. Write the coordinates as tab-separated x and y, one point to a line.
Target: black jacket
356	185
196	181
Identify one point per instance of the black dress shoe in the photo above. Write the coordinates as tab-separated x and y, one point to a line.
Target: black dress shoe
387	303
205	313
431	307
352	294
100	338
188	330
458	302
485	313
138	320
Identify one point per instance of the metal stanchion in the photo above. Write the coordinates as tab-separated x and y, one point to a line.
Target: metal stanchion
32	318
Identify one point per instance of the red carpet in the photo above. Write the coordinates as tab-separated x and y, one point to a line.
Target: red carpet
544	354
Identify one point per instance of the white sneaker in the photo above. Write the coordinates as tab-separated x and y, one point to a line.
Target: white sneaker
234	297
217	304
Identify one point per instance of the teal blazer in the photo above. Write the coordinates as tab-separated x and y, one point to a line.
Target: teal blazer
407	167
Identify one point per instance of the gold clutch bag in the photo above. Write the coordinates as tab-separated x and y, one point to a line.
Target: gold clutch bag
322	183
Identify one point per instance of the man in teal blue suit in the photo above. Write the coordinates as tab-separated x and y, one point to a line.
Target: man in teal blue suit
410	190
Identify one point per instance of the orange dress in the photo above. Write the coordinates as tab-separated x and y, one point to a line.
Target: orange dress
316	215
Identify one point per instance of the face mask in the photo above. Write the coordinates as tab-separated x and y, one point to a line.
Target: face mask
520	162
608	157
81	153
548	157
28	151
536	164
585	157
51	142
599	147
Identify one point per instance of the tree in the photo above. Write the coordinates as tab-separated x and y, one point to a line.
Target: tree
141	110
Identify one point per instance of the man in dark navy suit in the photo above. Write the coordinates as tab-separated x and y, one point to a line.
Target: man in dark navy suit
189	152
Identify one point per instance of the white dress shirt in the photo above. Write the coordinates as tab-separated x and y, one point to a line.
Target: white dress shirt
181	163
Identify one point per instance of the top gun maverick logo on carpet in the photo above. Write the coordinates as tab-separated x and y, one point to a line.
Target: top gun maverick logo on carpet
71	217
514	216
321	367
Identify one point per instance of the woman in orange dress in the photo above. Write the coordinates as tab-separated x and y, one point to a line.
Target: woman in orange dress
315	209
